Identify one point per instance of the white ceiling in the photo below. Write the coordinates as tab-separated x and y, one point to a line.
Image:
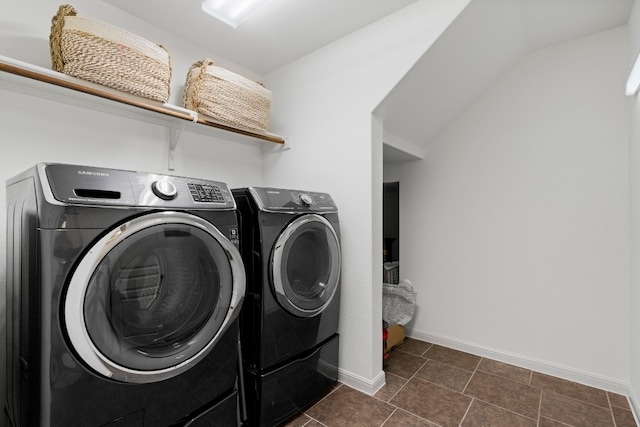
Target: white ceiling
278	33
481	44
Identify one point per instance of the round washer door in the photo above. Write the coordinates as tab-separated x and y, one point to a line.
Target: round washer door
305	265
153	296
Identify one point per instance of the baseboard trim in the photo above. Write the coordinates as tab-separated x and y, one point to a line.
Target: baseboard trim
536	365
633	401
525	362
362	384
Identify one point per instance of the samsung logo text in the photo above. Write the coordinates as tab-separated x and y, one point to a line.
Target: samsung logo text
93	173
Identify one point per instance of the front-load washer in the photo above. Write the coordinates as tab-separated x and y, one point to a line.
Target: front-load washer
123	291
290	242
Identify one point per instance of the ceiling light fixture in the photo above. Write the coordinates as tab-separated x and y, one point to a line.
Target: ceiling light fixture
232	12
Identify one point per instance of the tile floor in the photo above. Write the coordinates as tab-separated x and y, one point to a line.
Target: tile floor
429	385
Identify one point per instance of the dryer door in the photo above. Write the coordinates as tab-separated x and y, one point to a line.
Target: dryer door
152	297
305	265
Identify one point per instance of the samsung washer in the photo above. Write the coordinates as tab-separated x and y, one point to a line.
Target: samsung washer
123	292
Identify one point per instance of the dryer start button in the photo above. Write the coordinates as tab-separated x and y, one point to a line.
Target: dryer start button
164	189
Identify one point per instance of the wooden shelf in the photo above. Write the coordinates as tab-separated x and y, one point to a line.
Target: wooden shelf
30	79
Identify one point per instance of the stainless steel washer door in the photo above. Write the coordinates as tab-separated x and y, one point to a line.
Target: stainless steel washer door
153	296
305	265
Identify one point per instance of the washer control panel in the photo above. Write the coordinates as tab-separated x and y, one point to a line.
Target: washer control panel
100	186
283	200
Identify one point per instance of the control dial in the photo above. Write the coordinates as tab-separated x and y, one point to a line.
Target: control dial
164	189
306	199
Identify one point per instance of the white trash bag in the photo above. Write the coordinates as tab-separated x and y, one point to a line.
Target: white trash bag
398	302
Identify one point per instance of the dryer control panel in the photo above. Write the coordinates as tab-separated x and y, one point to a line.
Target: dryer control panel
113	187
283	200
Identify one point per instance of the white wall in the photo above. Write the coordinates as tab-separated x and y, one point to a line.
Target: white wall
34	130
323	103
392	172
514	229
634	188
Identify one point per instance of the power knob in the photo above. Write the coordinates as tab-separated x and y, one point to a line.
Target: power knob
306	199
164	189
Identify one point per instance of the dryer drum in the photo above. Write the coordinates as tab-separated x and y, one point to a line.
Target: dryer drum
305	265
156	295
151	298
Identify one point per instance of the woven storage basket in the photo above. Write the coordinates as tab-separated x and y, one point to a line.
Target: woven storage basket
227	97
104	54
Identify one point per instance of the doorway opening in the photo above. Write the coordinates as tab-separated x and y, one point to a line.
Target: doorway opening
391	222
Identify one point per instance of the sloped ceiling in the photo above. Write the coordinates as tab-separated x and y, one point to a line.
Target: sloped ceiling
482	43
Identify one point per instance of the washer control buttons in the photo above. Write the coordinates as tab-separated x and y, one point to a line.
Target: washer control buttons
206	193
164	189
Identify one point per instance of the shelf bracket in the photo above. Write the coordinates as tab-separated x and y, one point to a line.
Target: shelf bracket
174	136
174	133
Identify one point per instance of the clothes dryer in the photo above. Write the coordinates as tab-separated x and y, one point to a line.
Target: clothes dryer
123	291
290	242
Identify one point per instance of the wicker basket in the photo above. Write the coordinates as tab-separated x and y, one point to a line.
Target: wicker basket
227	97
106	55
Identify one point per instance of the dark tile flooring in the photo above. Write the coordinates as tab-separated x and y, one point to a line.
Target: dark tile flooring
428	385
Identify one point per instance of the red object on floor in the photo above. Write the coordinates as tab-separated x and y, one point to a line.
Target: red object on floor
385	335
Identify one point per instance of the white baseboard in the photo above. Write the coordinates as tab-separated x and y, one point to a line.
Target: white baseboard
535	365
633	400
369	387
525	362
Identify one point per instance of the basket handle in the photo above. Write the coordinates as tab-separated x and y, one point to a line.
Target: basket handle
57	24
192	85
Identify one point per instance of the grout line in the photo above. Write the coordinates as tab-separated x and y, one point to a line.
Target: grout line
309	420
478	364
474	398
579	401
389	417
539	405
394	394
613	418
467	411
396	375
331	392
428	348
559	422
322	399
470	378
503	408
